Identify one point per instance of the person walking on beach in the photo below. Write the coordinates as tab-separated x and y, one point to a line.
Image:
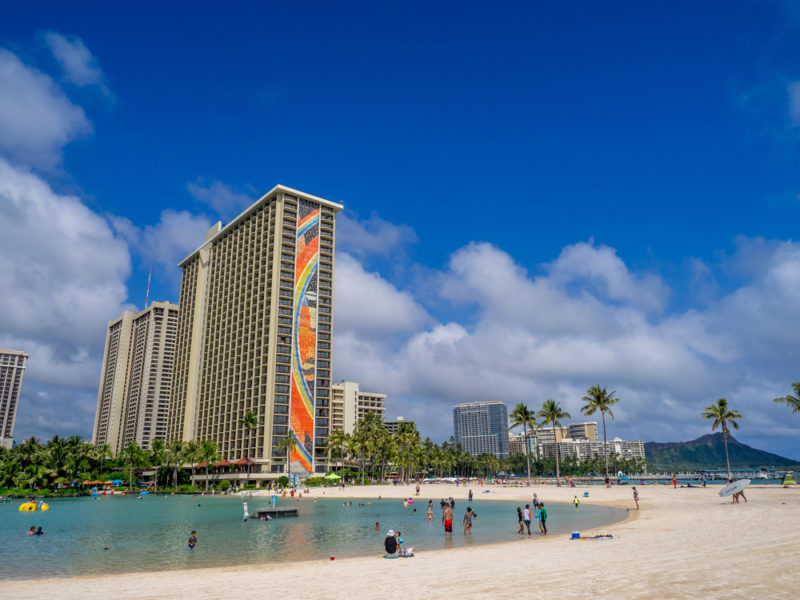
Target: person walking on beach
541	514
470	496
674	482
535	501
526	517
576	502
193	540
636	497
447	519
521	524
467	520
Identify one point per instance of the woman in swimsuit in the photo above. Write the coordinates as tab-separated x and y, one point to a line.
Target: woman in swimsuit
521	525
468	520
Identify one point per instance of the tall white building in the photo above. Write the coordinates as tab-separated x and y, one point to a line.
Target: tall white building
136	377
349	404
12	368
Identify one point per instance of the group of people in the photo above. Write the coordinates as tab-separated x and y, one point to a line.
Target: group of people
34	531
525	516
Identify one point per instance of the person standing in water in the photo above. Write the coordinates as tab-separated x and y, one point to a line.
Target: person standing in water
521	524
576	502
526	517
541	514
193	540
447	519
467	520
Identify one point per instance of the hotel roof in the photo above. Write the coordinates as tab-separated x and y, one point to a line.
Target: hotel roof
265	198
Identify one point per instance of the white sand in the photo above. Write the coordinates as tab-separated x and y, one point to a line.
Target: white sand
682	543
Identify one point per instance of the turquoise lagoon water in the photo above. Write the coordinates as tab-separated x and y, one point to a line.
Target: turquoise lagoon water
150	534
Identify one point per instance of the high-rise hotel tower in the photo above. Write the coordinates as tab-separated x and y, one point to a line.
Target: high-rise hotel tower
255	334
133	398
12	368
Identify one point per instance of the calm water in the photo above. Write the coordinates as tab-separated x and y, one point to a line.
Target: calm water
150	534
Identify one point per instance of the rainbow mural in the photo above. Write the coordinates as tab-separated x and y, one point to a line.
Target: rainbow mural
304	348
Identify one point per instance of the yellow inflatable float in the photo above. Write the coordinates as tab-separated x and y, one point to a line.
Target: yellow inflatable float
44	506
28	507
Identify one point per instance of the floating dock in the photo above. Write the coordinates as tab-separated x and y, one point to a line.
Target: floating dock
276	512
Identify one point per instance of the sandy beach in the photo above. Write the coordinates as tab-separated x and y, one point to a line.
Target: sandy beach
682	543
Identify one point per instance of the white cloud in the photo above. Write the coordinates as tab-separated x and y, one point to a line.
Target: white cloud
226	201
370	307
371	237
587	320
36	118
63	274
75	60
167	242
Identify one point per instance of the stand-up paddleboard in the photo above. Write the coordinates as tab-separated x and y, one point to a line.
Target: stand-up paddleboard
734	488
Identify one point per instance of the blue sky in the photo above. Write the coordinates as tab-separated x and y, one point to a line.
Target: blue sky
542	198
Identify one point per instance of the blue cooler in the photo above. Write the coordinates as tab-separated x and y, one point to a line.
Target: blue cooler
576	535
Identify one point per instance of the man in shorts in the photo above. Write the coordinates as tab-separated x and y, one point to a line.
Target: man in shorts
193	540
447	519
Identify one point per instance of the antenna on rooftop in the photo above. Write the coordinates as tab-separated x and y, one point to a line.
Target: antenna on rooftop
147	294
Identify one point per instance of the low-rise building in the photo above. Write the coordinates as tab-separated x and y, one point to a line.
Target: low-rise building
394	426
349	405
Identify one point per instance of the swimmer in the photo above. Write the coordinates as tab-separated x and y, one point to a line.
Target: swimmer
32	530
377	526
430	513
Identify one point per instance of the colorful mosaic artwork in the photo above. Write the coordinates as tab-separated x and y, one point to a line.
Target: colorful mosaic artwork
304	347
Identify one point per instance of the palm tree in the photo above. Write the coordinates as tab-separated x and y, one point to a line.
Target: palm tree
249	422
337	440
175	458
551	413
133	455
101	453
158	452
288	444
723	416
524	417
792	401
598	398
208	454
191	454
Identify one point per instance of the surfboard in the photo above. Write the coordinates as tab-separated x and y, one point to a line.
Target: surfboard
734	488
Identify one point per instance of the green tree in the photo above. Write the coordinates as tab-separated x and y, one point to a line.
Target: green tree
249	422
101	453
174	458
158	454
551	414
723	417
208	454
598	398
191	454
134	457
524	417
792	402
288	444
338	440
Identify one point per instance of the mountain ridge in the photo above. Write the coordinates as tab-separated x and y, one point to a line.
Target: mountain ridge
708	451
